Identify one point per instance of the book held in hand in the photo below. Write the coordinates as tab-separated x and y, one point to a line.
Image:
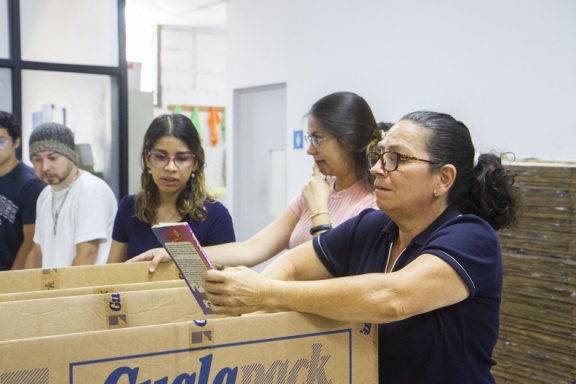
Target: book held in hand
188	255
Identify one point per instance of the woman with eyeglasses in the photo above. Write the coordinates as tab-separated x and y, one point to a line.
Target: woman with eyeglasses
173	190
341	130
426	267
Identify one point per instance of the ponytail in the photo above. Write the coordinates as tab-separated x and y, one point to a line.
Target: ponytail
492	194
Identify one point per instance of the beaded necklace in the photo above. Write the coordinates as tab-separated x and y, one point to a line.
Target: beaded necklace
57	212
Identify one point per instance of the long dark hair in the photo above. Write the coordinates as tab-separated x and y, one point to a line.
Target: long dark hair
485	188
191	199
349	119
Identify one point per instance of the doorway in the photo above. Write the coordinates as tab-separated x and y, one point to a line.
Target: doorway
259	157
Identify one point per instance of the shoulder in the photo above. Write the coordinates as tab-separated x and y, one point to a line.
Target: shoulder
23	173
367	220
463	237
356	197
31	181
127	202
46	192
214	206
469	225
373	215
25	169
128	199
216	213
91	184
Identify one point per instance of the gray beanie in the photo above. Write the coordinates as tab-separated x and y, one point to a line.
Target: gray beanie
53	137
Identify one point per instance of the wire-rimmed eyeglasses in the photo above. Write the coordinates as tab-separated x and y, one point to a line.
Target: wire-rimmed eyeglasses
390	159
315	141
4	143
181	160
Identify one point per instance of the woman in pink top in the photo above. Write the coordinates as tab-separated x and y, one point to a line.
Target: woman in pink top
341	130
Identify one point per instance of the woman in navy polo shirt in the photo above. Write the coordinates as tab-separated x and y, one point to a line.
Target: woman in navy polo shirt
427	267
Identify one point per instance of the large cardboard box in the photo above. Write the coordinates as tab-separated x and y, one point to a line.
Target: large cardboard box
33	295
266	348
84	276
62	315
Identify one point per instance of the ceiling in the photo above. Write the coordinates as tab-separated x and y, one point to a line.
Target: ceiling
199	13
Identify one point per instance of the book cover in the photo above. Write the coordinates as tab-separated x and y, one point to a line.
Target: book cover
188	255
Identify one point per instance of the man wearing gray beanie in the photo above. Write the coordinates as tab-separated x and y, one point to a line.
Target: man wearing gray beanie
76	213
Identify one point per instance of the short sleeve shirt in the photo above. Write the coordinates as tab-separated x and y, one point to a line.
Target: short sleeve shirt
19	191
449	345
216	229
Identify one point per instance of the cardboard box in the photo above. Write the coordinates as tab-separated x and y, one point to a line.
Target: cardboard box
267	348
33	295
62	315
83	276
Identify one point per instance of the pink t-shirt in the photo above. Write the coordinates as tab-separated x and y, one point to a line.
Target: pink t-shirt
342	206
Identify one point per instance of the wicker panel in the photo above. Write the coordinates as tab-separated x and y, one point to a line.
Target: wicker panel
537	341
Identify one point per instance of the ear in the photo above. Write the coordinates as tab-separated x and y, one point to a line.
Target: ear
446	177
146	161
17	143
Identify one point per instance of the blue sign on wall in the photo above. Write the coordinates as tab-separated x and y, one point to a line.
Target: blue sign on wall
298	139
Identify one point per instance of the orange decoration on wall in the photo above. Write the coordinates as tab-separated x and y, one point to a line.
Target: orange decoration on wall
213	122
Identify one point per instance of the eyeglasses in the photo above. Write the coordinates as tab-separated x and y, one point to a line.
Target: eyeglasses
181	161
390	160
4	143
315	141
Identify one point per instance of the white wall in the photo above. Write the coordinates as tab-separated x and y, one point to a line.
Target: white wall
193	73
506	68
4	42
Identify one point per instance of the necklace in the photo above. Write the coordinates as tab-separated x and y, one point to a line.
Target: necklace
174	215
57	212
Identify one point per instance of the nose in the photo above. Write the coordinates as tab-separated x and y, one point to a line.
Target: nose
378	169
311	149
44	165
171	163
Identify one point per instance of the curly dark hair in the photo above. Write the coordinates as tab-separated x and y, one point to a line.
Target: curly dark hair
486	188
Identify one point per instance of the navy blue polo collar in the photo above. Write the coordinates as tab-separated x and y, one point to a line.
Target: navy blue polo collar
391	229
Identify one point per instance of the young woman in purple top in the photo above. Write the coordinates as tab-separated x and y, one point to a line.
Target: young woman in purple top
173	190
426	267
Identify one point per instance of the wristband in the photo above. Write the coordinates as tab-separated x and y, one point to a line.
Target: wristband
318	228
318	214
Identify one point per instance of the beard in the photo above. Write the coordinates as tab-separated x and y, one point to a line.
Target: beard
52	179
55	178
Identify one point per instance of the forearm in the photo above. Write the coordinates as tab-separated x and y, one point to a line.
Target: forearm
235	254
25	248
20	260
300	263
118	252
264	245
352	299
34	259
